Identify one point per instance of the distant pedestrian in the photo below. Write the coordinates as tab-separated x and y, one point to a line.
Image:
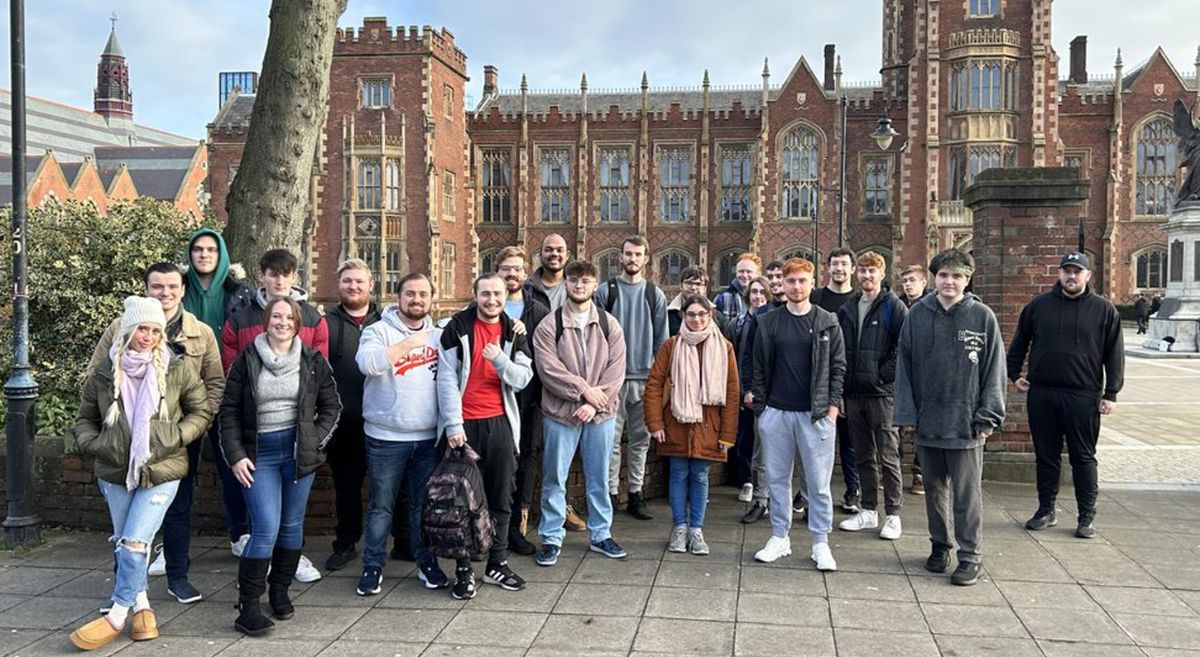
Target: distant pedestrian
1141	311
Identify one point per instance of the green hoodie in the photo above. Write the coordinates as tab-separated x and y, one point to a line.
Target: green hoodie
207	304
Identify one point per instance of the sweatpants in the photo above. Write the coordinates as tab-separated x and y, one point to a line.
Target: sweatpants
492	440
762	492
631	419
784	433
954	485
1055	415
877	449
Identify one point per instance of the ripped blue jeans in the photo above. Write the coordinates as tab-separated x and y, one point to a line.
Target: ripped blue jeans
136	517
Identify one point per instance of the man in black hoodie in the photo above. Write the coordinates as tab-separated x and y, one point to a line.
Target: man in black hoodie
1076	369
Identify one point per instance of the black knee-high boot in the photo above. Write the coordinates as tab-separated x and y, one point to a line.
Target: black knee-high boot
252	581
283	570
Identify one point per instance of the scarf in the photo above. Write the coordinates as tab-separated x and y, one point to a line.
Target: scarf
140	397
694	387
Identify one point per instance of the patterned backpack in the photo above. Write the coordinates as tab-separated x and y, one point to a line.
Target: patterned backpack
455	523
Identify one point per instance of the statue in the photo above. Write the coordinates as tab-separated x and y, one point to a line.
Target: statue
1189	149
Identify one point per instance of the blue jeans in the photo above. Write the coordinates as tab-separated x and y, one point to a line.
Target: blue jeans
689	484
389	464
136	516
559	443
277	500
233	503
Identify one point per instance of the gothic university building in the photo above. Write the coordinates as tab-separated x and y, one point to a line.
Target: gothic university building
411	181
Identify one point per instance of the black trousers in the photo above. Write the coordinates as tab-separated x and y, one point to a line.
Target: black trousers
347	457
492	440
1055	416
529	461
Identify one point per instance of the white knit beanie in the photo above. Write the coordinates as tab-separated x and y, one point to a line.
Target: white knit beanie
141	310
138	311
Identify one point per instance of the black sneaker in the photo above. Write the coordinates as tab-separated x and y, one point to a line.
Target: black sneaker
518	544
503	576
183	591
1041	520
1085	528
757	511
341	558
431	574
966	574
464	584
939	559
371	581
637	507
548	555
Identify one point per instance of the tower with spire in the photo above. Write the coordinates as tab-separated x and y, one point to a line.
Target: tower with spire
113	99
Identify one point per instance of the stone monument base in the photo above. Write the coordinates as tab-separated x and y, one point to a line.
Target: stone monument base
1186	333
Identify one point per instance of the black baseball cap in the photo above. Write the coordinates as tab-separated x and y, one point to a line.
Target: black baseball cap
1075	259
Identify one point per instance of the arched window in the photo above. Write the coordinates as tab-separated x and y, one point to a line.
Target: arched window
1157	149
724	268
608	264
487	261
799	164
802	252
670	265
1150	268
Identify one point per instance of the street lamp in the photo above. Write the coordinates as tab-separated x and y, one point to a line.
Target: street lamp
884	133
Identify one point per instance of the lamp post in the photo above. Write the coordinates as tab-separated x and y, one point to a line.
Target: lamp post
20	391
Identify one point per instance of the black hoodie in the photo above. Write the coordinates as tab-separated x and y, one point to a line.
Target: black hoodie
344	334
1077	344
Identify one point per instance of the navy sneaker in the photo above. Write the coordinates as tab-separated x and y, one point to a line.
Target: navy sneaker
431	573
548	555
371	581
609	548
183	591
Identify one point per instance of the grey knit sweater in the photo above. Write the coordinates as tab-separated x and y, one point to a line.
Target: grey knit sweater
278	387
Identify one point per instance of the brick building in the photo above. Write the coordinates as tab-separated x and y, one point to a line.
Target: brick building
409	180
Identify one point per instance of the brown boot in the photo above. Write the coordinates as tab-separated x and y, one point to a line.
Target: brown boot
96	634
523	526
574	523
145	625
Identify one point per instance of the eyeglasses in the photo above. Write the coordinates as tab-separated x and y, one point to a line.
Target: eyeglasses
700	315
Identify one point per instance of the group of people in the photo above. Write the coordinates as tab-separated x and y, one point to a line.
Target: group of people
546	365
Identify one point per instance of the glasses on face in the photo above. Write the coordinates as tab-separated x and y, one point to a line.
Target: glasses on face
697	315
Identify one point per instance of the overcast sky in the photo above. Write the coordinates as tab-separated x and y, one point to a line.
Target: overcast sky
175	48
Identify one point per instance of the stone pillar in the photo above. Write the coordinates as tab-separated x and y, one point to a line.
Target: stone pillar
1025	220
1178	320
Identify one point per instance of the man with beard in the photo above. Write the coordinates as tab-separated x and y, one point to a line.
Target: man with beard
546	283
914	281
482	365
529	311
732	302
641	309
1076	369
398	356
831	298
774	274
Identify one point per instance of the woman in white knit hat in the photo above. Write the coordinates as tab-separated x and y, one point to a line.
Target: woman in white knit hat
140	408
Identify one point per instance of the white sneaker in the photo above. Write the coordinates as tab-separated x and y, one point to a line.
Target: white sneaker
862	520
891	528
678	542
306	571
747	493
822	555
239	546
159	567
776	547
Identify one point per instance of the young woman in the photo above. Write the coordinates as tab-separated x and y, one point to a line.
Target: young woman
758	292
691	407
139	409
279	410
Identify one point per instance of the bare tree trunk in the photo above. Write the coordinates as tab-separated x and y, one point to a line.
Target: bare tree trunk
269	198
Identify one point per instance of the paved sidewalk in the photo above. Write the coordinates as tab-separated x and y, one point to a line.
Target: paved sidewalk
1133	591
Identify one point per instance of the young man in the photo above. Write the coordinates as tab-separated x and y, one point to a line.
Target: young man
580	356
799	366
398	356
523	308
640	308
774	274
1076	368
831	298
482	365
546	282
194	342
1141	311
950	394
732	301
278	272
871	322
692	280
913	282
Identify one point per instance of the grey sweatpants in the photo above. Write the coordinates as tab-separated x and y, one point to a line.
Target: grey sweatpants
782	434
954	484
759	468
631	418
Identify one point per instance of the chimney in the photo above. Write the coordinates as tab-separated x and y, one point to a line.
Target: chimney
1079	60
829	63
491	79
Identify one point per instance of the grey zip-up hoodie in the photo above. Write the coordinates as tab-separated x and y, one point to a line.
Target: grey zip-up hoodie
950	373
400	399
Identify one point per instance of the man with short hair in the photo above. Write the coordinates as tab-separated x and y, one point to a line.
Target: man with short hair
1141	312
914	280
580	354
482	365
640	307
1076	368
194	342
871	322
732	301
546	282
950	394
524	308
692	280
398	356
831	297
799	369
774	274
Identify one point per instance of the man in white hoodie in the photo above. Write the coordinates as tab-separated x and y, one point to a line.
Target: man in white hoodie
399	357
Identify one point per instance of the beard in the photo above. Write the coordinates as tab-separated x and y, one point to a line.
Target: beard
356	303
422	313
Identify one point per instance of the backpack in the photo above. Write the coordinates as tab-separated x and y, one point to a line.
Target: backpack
558	324
455	523
651	289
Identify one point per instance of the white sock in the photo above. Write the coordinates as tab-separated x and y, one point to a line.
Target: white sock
116	616
141	602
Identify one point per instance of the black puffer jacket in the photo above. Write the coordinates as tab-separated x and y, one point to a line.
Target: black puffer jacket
871	348
318	415
344	334
828	366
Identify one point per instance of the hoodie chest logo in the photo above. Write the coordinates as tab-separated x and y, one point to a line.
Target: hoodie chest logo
427	355
972	342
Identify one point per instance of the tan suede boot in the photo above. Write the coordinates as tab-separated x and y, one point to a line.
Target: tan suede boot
573	522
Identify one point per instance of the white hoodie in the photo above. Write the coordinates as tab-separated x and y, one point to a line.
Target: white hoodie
399	399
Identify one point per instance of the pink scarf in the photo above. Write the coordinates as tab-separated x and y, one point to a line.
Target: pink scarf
691	388
140	398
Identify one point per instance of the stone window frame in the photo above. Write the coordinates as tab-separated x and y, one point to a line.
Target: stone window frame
662	269
495	198
1169	181
799	250
368	183
449	192
889	173
484	255
563	191
393	197
719	280
675	190
364	92
448	256
975	9
967	85
448	100
811	186
608	195
604	271
746	188
1148	251
971	156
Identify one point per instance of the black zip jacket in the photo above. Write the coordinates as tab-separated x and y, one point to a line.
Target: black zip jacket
828	366
1076	344
344	334
533	314
317	417
871	348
